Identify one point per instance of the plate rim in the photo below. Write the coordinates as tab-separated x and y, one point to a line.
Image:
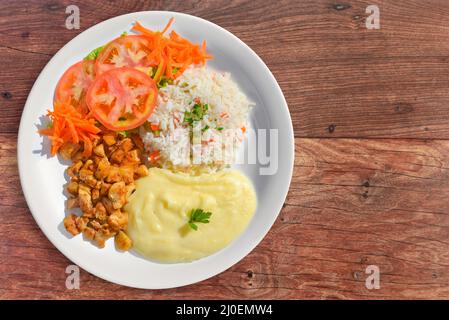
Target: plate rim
73	257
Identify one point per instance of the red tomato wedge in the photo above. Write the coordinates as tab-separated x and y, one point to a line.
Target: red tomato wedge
126	51
73	85
122	98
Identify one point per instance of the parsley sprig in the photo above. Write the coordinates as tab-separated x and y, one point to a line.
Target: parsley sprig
198	216
197	114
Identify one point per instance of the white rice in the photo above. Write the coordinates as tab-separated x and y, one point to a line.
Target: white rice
215	138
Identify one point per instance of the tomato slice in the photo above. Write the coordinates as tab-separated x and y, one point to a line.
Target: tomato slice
126	51
122	98
73	85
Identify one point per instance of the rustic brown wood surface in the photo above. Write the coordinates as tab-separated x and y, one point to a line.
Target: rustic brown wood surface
370	110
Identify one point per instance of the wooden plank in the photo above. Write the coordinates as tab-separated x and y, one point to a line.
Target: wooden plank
352	203
335	73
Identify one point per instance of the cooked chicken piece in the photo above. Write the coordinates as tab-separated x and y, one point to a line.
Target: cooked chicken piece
107	230
70	224
81	223
95	224
90	214
138	142
117	194
91	181
122	241
96	141
100	212
132	157
118	220
142	171
74	169
130	189
98	185
102	169
85	173
117	156
78	156
72	203
104	188
89	233
95	195
108	205
99	151
127	173
113	174
109	139
100	239
126	144
88	165
84	197
72	187
67	150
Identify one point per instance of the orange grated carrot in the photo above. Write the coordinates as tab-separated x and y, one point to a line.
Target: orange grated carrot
172	52
69	125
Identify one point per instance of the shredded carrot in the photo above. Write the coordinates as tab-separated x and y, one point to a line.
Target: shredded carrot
154	156
243	129
69	125
173	54
224	115
154	127
168	25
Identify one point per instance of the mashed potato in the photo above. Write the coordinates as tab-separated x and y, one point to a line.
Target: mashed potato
159	211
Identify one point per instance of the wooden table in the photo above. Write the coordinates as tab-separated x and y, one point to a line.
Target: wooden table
370	110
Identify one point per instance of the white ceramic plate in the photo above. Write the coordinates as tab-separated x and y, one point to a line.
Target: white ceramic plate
42	177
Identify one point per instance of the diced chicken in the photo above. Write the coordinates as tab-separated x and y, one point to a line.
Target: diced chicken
108	205
138	142
109	139
117	194
101	189
74	169
88	165
127	173
142	171
126	145
100	212
81	223
133	157
117	156
84	197
104	188
100	239
99	151
130	189
89	233
118	220
102	169
70	224
113	174
122	241
78	156
67	150
95	195
95	225
107	230
72	188
72	203
85	173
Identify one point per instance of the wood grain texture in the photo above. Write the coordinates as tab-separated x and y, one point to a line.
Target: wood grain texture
370	110
352	203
